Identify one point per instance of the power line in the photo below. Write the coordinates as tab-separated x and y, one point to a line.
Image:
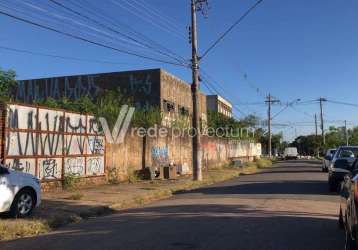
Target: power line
62	18
95	11
109	28
302	112
342	103
61	57
159	14
87	40
275	115
231	28
205	74
145	18
76	21
215	91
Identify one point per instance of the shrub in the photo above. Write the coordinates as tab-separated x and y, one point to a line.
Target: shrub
75	196
112	176
133	175
70	181
264	163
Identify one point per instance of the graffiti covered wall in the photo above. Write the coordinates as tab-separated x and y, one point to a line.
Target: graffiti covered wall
216	151
52	143
141	86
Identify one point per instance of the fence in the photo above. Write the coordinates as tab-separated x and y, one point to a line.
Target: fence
51	143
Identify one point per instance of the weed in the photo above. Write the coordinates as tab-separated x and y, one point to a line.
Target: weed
112	175
264	163
70	181
75	196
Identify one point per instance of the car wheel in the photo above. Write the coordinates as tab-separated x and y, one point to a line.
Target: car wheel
23	204
340	219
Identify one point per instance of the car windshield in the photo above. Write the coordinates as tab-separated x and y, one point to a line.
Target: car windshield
348	152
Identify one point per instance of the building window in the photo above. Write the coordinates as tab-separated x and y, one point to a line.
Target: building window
168	106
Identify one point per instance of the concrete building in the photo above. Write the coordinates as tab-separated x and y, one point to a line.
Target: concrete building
146	88
219	104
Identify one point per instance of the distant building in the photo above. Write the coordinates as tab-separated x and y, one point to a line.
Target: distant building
146	88
219	104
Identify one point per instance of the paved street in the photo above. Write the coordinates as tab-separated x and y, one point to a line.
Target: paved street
287	207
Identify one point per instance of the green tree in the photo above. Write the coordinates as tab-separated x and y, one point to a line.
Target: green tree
7	84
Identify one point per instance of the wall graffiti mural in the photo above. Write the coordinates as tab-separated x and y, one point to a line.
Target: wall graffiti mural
52	143
75	166
219	150
95	165
160	155
70	87
22	165
50	168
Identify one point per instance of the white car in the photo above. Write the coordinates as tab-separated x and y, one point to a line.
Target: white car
290	153
20	193
327	159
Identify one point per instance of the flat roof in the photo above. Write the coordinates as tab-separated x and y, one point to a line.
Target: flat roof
221	99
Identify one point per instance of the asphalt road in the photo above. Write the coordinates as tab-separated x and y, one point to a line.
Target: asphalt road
288	207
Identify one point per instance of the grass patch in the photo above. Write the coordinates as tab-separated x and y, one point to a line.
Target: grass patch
75	196
133	175
263	163
12	229
70	181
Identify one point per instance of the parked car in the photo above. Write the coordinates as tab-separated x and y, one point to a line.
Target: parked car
337	170
327	159
20	193
290	153
348	206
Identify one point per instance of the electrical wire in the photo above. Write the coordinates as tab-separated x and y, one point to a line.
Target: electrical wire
231	28
85	39
158	14
61	57
145	18
342	103
111	29
115	22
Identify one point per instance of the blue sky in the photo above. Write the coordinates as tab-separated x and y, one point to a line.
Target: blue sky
293	49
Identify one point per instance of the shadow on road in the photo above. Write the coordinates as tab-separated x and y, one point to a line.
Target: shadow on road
312	162
208	226
303	187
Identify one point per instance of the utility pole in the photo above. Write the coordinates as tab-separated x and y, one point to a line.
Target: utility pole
269	126
197	171
346	132
315	123
269	119
321	100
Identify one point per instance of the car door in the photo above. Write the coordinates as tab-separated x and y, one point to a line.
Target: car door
6	195
3	176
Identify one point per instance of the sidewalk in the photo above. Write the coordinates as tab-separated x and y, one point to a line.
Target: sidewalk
64	207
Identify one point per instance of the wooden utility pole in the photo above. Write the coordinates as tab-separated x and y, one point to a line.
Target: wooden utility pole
269	120
269	100
316	127
315	123
321	100
346	132
197	171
